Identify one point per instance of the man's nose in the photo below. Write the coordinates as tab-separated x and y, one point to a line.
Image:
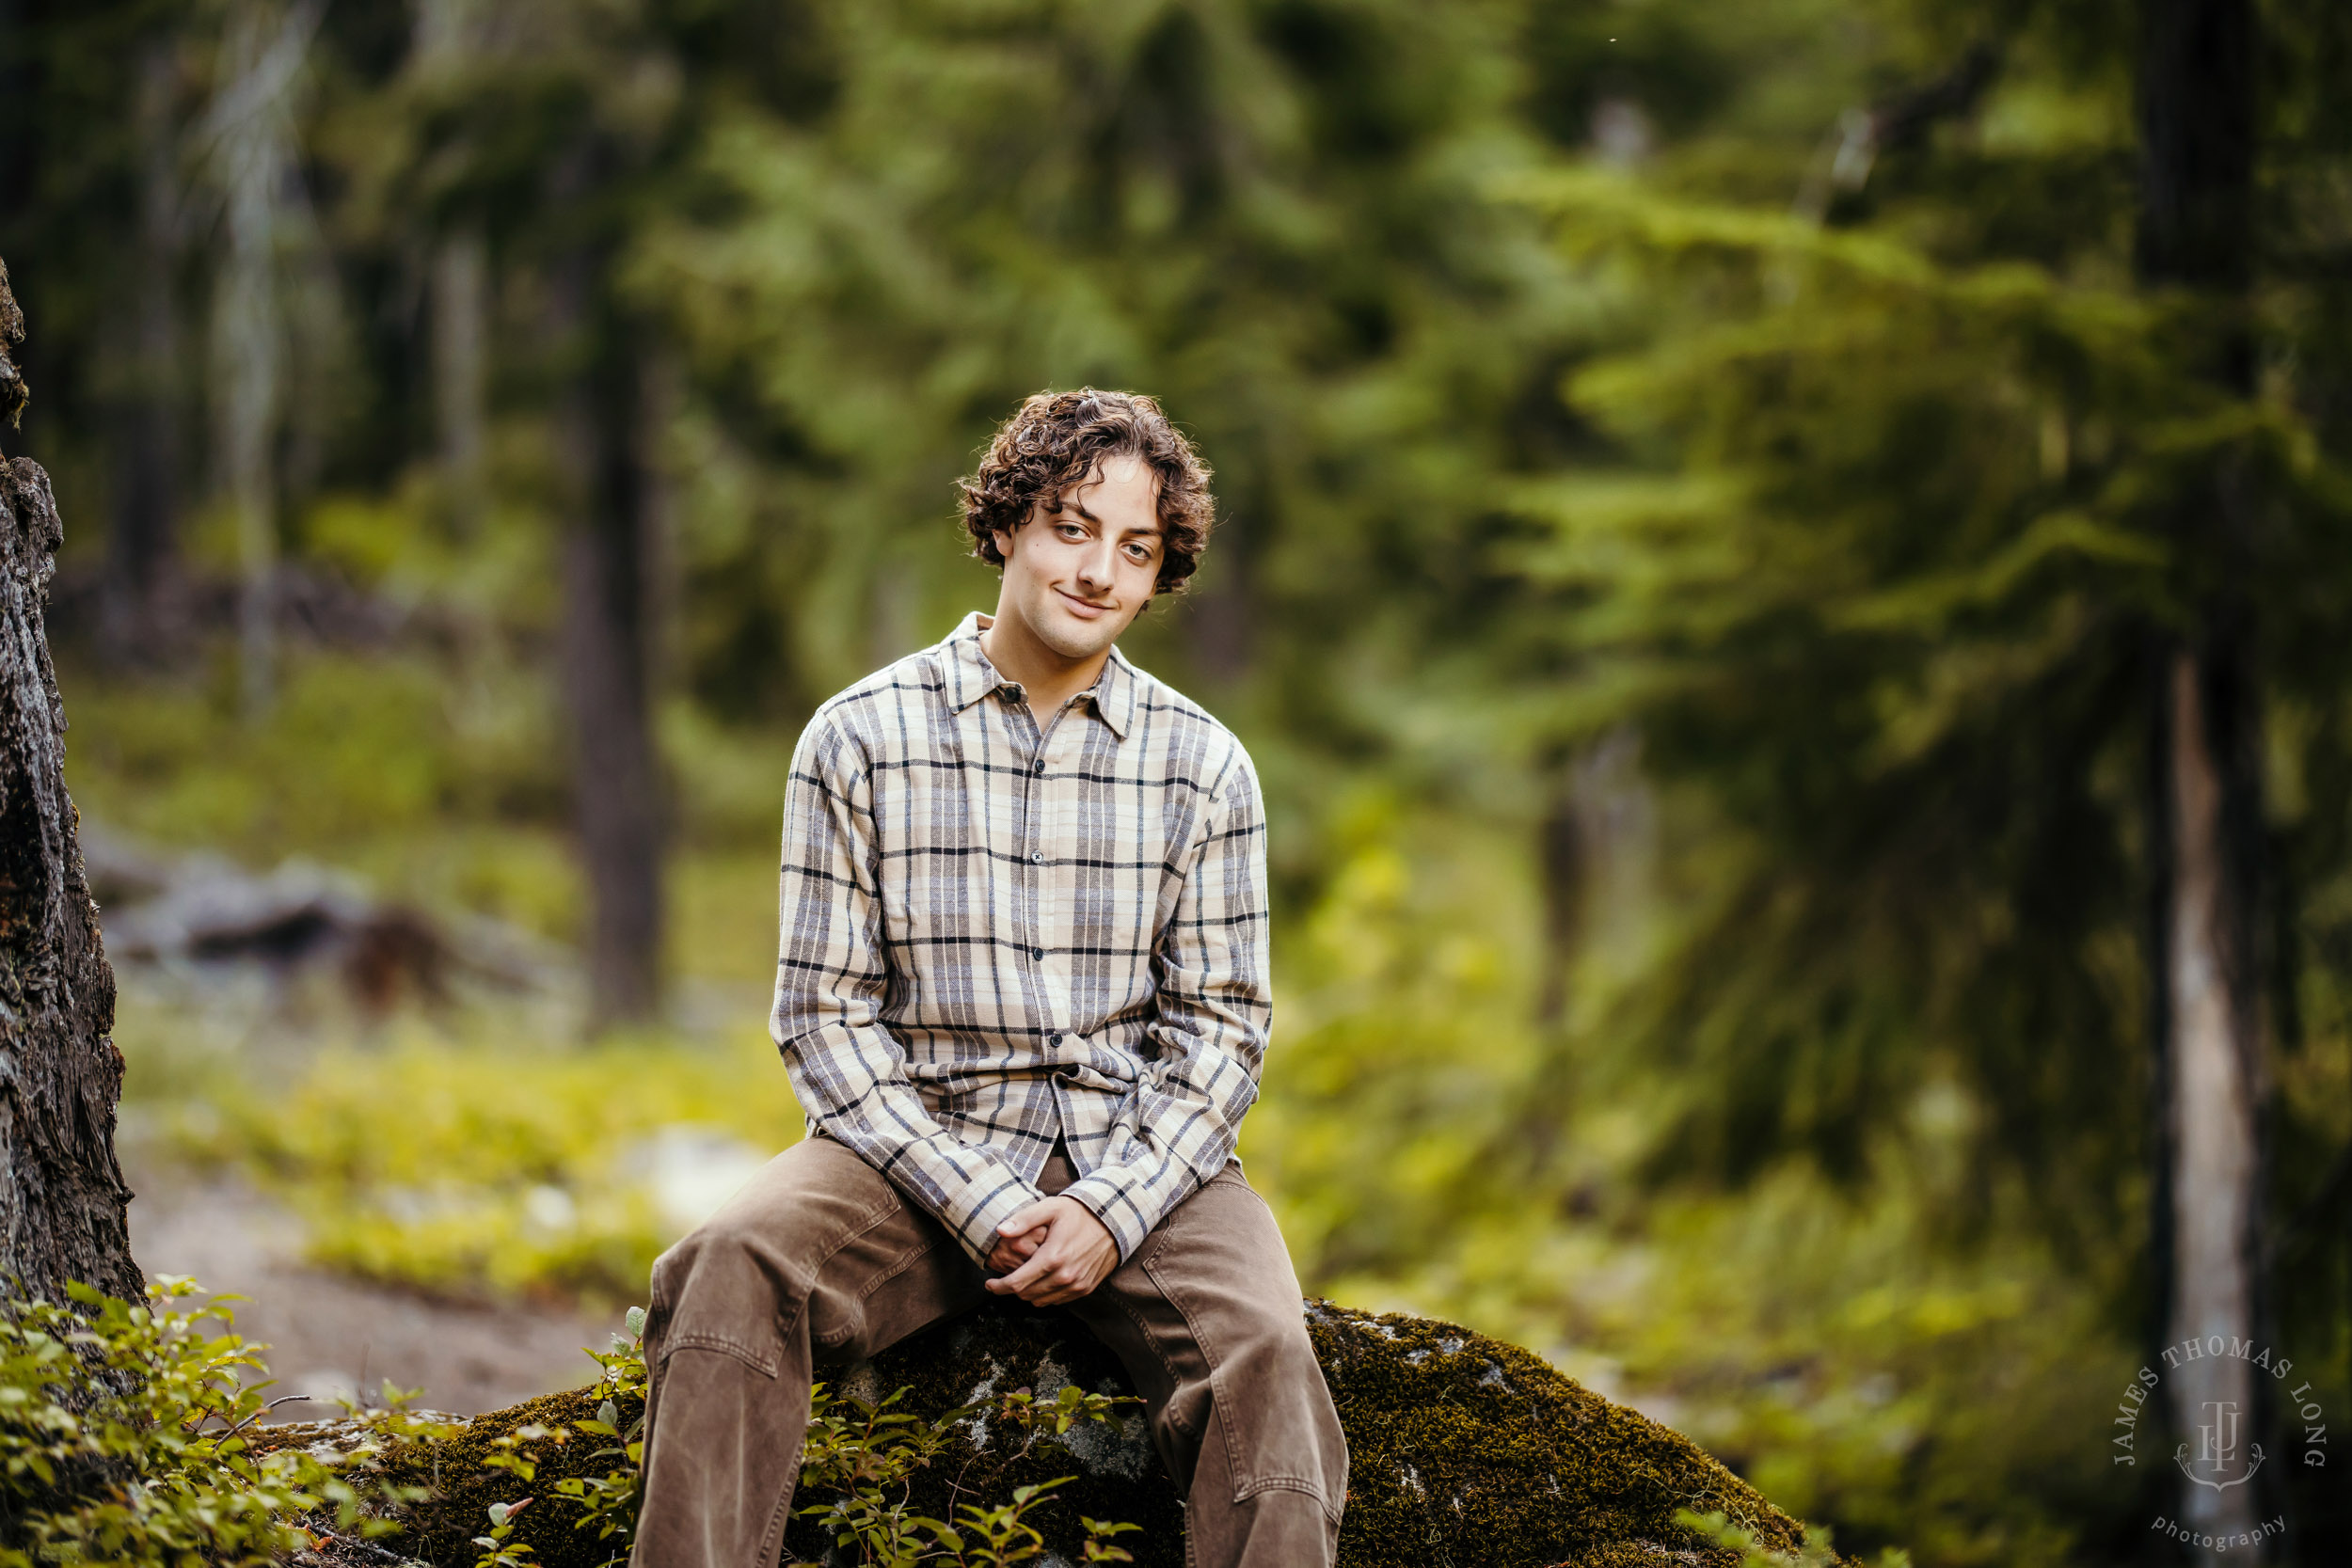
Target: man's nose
1096	567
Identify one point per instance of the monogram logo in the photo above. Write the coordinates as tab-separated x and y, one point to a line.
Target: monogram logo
2218	1464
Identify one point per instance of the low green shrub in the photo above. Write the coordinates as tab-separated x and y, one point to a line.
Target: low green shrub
129	1435
857	1464
510	1170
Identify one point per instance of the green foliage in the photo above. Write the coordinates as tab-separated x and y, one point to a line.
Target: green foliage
865	1456
1569	391
128	1435
1815	1553
501	1172
859	1458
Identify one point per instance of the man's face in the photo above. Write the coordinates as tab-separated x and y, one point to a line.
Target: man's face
1078	578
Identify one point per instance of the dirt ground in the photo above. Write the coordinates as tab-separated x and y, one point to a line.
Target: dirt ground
331	1336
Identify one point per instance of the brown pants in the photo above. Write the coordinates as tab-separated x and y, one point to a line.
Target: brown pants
818	1258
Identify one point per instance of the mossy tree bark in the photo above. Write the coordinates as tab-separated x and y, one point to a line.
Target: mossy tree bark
63	1207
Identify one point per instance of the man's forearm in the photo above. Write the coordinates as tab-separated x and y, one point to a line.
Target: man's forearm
969	1188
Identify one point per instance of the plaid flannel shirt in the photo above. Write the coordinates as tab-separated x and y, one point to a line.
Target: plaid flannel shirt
1000	928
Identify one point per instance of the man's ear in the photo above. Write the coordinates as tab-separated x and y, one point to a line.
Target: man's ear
1002	538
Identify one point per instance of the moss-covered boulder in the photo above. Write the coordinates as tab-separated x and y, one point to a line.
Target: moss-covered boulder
1463	1451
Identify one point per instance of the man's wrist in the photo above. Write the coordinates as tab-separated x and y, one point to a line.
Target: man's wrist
1107	1198
979	1231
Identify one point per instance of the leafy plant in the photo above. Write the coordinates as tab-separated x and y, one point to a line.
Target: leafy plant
1817	1552
126	1436
858	1457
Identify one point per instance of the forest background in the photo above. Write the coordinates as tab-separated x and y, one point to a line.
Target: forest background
1703	490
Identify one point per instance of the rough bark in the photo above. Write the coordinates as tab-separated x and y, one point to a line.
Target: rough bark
607	646
63	1207
2197	141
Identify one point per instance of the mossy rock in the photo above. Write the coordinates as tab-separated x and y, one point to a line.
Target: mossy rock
1462	1451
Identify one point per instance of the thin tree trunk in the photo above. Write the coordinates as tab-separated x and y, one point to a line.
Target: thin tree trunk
460	311
138	613
448	37
607	647
63	1207
2217	1161
2197	137
1565	857
260	56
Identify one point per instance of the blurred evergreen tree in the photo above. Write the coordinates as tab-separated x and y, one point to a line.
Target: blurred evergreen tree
1932	531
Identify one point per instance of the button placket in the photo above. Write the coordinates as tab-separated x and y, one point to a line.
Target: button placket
1050	788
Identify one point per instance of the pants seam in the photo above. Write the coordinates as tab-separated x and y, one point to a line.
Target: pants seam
866	1226
765	1366
1143	1332
1308	1486
771	1538
1217	1405
907	1261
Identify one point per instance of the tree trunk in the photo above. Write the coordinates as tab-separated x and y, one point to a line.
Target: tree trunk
607	645
448	38
2215	1055
461	290
138	612
2197	139
1564	857
252	155
63	1207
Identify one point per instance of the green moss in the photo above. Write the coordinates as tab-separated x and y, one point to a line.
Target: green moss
1462	1451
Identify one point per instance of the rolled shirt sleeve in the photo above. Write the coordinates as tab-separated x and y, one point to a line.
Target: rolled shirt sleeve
1213	1007
832	974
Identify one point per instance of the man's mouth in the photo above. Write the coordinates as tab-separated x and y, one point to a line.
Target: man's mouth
1085	610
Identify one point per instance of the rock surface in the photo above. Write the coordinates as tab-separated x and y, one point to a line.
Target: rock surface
1464	1451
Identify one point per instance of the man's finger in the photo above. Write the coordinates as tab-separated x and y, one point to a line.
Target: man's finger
1037	1216
1023	1278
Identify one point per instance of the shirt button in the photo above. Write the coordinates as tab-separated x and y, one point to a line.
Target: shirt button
1039	770
1053	1039
1037	858
1038	953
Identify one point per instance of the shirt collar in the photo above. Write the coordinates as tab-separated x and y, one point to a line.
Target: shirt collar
971	676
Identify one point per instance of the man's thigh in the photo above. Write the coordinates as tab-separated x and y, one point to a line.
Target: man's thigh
1207	1316
817	1231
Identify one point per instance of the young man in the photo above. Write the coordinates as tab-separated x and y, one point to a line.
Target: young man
1022	993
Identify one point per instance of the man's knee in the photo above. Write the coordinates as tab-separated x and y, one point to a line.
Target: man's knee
752	1265
725	1286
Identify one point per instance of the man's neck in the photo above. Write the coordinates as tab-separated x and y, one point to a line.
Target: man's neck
1047	678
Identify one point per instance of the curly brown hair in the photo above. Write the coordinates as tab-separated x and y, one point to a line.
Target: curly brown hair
1054	440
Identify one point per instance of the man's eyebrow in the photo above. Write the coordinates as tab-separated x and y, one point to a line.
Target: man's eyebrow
1154	532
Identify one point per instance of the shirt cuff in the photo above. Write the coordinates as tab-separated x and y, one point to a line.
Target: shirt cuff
977	1233
1124	1198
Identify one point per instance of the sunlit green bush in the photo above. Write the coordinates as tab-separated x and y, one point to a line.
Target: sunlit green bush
476	1170
127	1436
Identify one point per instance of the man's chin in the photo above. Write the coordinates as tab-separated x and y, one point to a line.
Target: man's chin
1075	639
